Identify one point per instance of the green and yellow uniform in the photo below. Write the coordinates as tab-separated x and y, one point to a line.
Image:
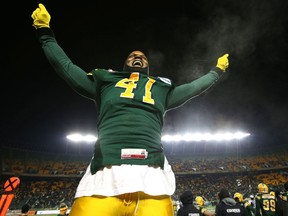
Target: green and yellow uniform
131	106
265	204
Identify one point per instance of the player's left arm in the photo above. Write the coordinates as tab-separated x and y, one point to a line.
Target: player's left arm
181	94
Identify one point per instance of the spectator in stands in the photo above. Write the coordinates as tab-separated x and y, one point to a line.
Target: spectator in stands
188	207
227	206
63	209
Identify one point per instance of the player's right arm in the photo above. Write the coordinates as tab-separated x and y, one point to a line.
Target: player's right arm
75	76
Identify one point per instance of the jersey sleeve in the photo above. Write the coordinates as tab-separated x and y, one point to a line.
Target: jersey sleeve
76	77
183	93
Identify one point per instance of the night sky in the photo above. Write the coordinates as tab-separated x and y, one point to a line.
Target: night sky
182	42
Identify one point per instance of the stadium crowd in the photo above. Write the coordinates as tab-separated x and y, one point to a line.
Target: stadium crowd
48	193
35	163
48	181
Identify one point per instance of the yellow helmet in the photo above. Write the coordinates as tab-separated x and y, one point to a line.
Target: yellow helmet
199	200
63	208
263	188
239	196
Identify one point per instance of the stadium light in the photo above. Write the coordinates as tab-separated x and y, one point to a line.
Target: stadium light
77	137
205	137
81	138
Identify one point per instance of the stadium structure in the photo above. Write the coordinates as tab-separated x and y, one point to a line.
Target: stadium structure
50	178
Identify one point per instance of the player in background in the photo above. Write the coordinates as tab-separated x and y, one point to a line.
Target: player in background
245	203
265	201
200	203
284	198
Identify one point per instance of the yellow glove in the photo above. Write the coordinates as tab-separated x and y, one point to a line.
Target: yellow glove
41	17
223	62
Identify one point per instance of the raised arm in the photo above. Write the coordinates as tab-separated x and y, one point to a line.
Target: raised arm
75	76
181	94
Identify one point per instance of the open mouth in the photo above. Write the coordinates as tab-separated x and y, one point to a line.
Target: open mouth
137	63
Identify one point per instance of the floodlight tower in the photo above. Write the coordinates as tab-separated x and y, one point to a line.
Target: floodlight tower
79	139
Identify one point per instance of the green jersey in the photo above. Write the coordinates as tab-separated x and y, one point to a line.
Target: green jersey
284	202
265	204
250	210
130	106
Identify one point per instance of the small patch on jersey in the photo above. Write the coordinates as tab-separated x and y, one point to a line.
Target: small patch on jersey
165	80
134	154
